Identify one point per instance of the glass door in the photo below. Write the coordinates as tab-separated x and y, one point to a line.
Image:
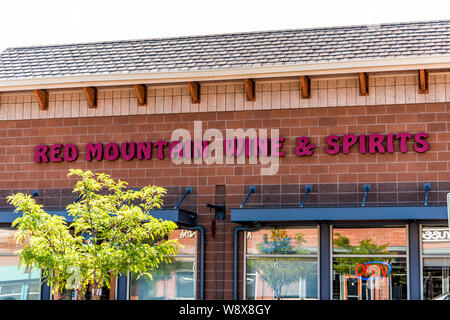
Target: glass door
369	263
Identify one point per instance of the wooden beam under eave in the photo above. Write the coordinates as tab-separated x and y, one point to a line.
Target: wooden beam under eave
91	96
305	87
194	88
363	84
141	93
423	81
249	85
42	97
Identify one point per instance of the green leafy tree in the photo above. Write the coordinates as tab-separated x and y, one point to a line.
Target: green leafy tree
112	233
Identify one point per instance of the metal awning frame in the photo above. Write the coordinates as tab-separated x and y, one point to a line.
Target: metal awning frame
245	215
179	216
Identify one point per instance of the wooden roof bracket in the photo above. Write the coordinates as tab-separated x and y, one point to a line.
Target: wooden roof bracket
249	85
42	97
91	96
305	86
141	93
363	84
423	81
194	88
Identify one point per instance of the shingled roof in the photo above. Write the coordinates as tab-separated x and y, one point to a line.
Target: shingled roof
229	51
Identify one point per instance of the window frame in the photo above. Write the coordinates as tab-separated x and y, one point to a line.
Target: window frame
194	256
369	225
422	256
10	227
281	226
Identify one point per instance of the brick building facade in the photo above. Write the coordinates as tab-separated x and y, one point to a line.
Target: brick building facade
394	105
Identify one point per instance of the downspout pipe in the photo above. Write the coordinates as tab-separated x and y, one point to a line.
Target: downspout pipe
235	253
202	258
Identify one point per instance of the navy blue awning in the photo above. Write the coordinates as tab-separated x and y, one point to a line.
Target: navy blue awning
178	216
8	216
336	214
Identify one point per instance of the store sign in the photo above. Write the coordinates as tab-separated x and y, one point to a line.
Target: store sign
435	235
376	143
373	270
148	150
236	147
187	234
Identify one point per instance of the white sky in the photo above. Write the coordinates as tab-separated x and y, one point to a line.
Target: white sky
35	22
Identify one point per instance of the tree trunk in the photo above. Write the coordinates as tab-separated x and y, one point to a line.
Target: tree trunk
56	294
96	293
112	289
80	295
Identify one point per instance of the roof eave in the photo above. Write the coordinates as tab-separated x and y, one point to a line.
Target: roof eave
310	69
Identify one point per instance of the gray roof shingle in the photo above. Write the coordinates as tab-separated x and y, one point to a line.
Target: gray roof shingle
228	51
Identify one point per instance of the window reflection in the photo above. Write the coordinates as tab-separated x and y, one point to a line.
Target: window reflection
281	278
435	241
175	280
369	241
282	241
436	277
436	261
369	263
282	264
375	278
16	283
170	281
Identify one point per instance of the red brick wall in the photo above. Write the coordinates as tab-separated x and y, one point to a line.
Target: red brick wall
19	172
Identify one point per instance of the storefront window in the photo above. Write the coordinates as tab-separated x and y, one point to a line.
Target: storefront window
16	283
361	241
282	263
369	263
436	261
174	280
